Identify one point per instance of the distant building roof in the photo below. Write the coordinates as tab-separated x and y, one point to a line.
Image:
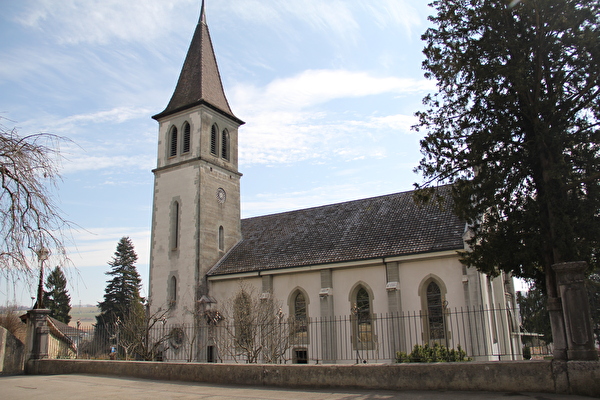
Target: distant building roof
364	229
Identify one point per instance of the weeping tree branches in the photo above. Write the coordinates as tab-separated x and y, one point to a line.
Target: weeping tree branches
29	217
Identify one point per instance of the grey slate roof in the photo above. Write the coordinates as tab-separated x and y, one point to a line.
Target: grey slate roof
199	81
364	229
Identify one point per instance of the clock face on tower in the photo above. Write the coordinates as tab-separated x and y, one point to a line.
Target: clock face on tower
221	195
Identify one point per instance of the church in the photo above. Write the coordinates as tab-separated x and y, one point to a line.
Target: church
366	279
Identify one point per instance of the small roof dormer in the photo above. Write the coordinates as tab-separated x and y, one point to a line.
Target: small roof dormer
199	81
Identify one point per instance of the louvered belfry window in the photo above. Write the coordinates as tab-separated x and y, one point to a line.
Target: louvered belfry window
186	137
225	145
173	147
213	139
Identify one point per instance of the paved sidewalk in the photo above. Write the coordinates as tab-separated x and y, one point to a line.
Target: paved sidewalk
50	387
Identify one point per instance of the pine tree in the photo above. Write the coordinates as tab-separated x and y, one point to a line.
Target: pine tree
122	294
56	297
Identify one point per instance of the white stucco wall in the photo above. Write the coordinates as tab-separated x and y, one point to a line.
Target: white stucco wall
412	273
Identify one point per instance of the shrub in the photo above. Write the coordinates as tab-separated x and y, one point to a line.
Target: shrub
526	353
9	319
435	353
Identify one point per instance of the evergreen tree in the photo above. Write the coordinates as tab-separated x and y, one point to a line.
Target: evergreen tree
122	294
534	315
56	297
514	127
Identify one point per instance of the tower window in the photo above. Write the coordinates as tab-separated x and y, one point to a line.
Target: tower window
172	291
173	144
175	226
213	139
225	145
221	239
186	137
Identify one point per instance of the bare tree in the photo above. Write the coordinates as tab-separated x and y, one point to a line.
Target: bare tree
143	335
29	218
253	328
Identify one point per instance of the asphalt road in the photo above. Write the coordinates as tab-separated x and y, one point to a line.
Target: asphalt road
50	387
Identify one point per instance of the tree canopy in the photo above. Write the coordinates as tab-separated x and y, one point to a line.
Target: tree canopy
514	127
122	294
29	218
56	297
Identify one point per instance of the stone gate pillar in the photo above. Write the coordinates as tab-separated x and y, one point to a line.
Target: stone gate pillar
576	310
37	334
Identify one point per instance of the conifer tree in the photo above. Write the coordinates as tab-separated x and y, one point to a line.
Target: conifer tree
514	127
56	297
122	294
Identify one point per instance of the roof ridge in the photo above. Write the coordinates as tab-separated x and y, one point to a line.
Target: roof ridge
372	228
338	203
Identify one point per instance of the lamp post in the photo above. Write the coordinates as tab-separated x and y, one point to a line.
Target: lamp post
42	255
37	342
356	312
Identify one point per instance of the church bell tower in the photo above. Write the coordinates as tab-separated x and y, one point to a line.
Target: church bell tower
196	204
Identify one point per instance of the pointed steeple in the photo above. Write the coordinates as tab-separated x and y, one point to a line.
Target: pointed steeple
199	81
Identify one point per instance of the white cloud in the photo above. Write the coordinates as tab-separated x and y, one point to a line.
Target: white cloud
395	12
313	87
115	115
96	246
284	127
82	162
337	20
106	139
100	21
286	201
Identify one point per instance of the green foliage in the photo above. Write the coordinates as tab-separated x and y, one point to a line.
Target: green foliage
122	300
593	285
435	353
534	315
56	297
514	127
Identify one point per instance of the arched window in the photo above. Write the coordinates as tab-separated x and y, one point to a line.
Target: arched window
363	336
187	133
221	239
225	145
172	291
213	139
300	318
175	225
435	311
298	306
433	305
363	314
173	142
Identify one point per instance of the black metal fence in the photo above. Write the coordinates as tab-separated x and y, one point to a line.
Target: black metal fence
483	334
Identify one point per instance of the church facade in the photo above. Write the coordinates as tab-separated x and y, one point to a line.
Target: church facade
386	267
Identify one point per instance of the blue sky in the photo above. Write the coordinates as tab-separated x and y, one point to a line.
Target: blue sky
328	90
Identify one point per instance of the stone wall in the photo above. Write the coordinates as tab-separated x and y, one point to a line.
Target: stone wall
11	353
575	377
